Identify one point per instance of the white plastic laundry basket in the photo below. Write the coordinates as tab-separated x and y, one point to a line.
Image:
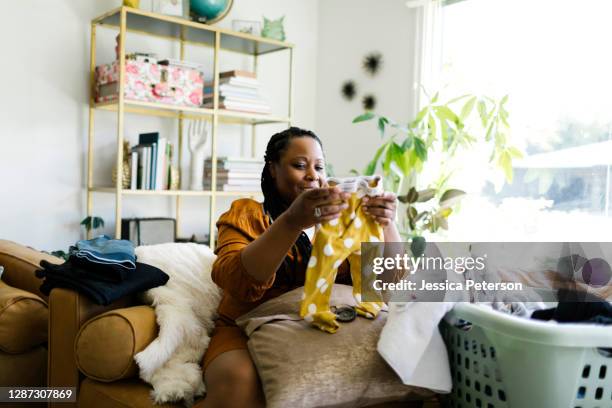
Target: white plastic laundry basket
504	361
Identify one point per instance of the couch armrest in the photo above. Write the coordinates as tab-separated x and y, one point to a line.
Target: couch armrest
20	263
106	344
68	311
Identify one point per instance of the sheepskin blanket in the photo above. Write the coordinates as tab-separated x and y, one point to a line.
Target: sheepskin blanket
185	307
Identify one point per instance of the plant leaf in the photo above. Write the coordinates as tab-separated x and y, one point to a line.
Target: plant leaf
412	196
503	100
419	117
467	108
457	99
371	168
426	195
482	111
450	197
515	153
364	117
420	149
382	121
407	144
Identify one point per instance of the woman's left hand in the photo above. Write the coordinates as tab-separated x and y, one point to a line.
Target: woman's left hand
382	208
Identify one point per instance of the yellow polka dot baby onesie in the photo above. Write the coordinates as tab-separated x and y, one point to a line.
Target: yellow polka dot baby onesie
333	242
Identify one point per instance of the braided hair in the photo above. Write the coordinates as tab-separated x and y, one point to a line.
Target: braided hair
274	205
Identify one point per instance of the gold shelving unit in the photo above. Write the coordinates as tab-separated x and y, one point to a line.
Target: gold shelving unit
129	20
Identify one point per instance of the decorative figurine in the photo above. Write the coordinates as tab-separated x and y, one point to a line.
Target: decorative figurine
197	146
274	29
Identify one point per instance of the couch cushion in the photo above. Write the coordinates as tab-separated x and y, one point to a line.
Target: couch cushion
27	369
105	345
121	394
24	320
302	366
20	263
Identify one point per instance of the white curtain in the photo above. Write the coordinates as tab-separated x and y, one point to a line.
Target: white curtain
427	50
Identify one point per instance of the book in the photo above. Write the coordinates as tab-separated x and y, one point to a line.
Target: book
134	170
245	93
231	174
241	108
147	168
226	187
236	159
160	164
241	82
238	99
237	73
236	182
239	166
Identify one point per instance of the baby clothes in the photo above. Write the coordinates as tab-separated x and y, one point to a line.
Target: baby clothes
333	242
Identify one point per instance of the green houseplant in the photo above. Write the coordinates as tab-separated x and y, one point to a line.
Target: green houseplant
447	128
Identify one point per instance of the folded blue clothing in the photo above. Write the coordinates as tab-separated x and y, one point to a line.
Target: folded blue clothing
104	250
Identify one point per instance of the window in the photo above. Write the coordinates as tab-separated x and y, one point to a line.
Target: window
552	58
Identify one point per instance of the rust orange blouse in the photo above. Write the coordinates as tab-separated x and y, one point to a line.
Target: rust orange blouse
242	224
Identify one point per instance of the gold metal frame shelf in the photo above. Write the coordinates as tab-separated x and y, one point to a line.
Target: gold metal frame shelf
184	112
202	193
190	32
185	32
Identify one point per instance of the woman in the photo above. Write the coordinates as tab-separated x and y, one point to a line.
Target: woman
263	251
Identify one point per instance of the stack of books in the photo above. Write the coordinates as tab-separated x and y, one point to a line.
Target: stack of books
238	91
150	162
234	174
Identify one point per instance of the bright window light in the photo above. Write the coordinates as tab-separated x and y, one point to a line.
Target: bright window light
553	59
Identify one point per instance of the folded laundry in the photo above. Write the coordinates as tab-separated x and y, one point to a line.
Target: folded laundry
99	271
104	250
70	276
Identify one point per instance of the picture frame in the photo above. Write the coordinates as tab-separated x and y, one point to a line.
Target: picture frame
170	7
247	27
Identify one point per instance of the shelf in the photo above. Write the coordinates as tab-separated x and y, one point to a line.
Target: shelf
186	112
204	193
158	25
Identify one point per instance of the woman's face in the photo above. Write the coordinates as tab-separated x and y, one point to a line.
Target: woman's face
301	167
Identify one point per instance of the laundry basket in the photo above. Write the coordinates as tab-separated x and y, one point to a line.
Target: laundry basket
498	360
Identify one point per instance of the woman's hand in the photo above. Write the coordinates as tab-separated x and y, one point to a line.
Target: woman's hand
382	208
316	206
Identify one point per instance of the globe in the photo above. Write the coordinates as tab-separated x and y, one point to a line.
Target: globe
211	10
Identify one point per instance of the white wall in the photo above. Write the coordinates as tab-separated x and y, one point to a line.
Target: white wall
43	113
348	30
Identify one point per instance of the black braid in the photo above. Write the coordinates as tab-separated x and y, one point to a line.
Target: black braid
274	204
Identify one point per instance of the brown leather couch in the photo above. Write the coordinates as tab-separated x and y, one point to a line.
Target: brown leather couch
91	347
24	317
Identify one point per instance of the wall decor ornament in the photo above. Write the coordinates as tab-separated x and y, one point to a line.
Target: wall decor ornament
274	29
372	63
349	90
369	102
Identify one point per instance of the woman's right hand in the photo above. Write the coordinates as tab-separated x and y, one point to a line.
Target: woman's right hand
330	201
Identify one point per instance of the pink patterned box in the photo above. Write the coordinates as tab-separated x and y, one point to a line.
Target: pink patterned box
151	82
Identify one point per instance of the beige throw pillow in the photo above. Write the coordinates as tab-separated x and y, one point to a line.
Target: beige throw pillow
301	366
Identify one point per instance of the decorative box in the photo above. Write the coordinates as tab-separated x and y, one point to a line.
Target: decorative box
151	82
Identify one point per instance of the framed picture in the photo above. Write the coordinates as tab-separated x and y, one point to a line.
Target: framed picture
170	7
247	26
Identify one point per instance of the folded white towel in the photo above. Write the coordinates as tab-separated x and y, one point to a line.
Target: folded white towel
411	344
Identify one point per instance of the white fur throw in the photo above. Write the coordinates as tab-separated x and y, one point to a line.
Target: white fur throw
185	307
